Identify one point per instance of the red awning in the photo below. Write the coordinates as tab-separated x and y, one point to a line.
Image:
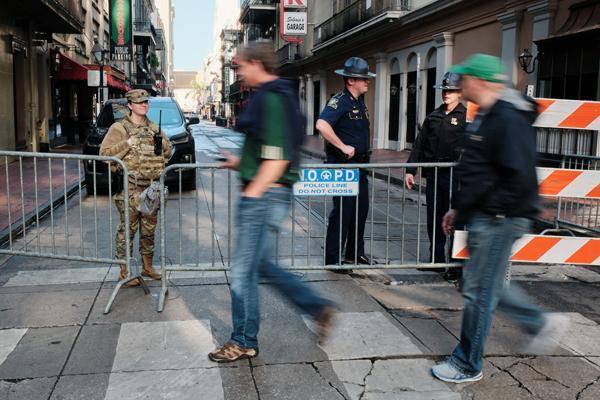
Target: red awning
113	77
69	69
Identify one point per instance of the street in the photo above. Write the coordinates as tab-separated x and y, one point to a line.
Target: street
392	325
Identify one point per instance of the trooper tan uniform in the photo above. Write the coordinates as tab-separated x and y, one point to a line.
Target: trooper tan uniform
144	167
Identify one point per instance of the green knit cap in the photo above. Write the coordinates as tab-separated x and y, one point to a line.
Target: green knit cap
483	66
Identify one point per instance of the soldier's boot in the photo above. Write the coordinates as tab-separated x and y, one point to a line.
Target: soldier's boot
147	269
123	275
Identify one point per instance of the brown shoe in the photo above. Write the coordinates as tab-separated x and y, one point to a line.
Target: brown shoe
230	352
148	270
324	323
123	275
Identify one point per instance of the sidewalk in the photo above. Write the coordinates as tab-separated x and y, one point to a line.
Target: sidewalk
58	345
21	178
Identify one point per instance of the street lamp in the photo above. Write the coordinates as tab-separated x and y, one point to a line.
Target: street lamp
98	53
526	59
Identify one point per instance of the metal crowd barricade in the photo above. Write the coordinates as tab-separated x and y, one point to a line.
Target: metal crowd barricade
196	233
579	213
48	231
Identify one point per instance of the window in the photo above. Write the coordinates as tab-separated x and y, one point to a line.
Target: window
569	69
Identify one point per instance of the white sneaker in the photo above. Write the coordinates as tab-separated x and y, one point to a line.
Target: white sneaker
449	373
548	338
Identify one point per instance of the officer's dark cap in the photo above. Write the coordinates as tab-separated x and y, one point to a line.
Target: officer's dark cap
450	81
355	67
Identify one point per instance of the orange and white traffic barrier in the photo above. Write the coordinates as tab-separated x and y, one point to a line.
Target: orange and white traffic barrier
542	249
583	184
559	113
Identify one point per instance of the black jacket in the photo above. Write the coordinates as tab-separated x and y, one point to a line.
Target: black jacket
497	172
441	138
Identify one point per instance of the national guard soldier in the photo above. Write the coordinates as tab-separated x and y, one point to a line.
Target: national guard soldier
344	124
440	140
132	140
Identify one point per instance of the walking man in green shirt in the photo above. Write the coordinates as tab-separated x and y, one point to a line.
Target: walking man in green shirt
274	129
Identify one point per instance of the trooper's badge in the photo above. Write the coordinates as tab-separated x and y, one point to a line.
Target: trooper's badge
333	103
454	121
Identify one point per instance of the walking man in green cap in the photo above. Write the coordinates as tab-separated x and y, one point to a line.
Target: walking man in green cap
497	199
132	140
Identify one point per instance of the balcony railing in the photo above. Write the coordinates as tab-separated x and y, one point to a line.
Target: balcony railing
354	15
289	53
140	25
248	3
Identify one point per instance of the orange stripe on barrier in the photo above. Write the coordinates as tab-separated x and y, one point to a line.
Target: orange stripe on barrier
557	181
543	104
583	116
595	192
587	253
471	111
536	248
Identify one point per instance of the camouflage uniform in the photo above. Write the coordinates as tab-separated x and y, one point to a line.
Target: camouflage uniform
144	167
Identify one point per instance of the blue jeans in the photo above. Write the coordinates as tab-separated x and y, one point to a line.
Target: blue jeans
490	242
259	221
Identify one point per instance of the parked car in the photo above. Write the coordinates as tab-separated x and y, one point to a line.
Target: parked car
190	116
175	126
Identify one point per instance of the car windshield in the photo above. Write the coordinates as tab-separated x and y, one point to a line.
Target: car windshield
115	112
111	113
170	113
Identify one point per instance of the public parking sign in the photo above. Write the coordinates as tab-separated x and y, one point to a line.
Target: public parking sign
327	182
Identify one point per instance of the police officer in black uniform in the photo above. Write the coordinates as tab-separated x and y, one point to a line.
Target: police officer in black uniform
440	140
344	124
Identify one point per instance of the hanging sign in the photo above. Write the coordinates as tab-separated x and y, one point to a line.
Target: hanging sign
295	3
294	23
121	30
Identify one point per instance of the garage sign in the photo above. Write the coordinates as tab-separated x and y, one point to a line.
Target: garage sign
294	23
327	182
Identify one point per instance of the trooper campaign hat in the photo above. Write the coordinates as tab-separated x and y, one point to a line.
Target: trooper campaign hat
449	82
137	96
355	67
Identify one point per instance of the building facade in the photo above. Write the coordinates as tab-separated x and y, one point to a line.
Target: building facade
74	103
26	28
167	15
410	44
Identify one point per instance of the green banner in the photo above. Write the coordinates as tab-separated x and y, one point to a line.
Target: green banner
121	30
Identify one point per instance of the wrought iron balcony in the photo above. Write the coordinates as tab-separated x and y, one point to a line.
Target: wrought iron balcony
261	12
356	14
289	53
144	32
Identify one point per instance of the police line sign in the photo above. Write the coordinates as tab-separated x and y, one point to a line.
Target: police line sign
327	182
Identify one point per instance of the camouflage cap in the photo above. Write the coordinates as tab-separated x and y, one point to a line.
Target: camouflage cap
137	95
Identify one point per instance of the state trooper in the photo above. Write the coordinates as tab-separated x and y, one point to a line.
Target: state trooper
132	140
344	124
440	140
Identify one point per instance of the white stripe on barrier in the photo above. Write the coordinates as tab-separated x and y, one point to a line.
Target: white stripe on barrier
569	183
543	249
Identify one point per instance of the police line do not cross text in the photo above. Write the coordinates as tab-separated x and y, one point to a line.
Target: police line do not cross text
327	182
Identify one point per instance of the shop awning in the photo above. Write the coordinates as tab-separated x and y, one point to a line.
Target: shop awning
70	70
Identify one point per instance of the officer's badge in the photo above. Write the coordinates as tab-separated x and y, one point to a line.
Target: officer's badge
454	121
333	103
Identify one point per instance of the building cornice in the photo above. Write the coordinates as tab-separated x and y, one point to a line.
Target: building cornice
443	39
